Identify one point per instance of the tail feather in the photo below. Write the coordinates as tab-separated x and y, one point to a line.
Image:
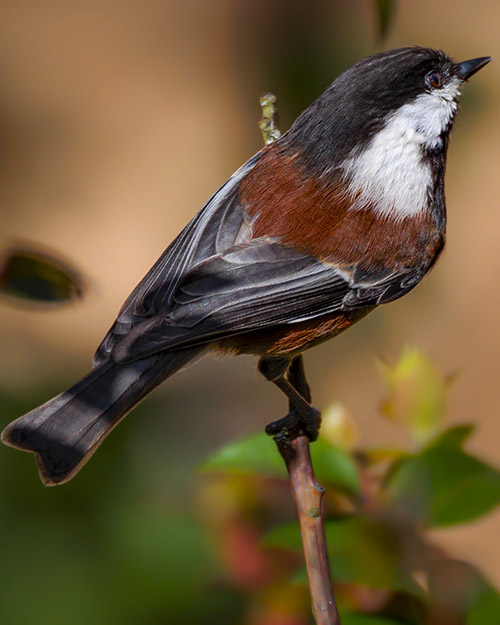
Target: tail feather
65	432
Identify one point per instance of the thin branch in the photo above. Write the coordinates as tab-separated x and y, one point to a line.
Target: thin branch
308	495
294	449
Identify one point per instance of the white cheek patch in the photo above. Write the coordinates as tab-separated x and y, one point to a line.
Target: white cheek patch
432	113
391	176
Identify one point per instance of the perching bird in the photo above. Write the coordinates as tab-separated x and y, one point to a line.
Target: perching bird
345	212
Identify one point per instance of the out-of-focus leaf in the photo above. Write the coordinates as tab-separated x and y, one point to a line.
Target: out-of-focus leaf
258	454
385	14
363	551
35	276
485	608
351	618
384	456
416	394
338	426
454	436
444	486
334	466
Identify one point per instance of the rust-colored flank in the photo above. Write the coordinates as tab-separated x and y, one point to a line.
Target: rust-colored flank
315	215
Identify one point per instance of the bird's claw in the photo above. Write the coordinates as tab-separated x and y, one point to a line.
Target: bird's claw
295	424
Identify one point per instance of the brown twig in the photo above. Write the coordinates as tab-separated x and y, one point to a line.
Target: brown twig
308	495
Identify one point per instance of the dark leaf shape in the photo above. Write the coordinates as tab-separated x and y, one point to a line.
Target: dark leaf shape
443	486
385	15
34	276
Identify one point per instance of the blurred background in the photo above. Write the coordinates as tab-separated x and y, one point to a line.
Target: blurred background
118	120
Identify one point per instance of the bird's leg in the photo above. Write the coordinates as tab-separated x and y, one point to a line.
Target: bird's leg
302	418
297	378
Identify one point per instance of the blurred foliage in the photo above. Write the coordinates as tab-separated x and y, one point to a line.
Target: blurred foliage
379	505
257	455
385	13
35	277
113	547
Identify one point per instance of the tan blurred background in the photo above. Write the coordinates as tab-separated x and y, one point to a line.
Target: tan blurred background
119	119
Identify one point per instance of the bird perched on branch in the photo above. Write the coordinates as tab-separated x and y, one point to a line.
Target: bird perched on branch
346	211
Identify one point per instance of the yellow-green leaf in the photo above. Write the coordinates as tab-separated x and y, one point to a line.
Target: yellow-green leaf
416	394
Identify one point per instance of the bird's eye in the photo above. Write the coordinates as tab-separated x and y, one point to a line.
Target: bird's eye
433	79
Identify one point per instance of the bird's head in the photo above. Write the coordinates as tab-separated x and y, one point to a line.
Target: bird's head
418	86
383	127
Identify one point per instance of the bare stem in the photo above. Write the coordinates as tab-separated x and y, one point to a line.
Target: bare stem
308	495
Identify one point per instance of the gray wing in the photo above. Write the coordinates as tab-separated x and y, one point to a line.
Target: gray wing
251	286
209	285
217	226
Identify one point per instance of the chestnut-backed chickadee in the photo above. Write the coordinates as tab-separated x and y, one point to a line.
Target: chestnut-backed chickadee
345	212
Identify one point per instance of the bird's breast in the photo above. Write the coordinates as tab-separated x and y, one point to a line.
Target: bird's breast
318	216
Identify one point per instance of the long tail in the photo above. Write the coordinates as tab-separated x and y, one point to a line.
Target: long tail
64	432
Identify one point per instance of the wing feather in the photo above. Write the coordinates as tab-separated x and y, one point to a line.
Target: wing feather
218	225
258	285
250	286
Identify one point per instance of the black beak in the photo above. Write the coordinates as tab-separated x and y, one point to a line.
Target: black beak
468	68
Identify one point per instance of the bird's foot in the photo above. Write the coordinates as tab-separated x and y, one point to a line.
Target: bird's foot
296	424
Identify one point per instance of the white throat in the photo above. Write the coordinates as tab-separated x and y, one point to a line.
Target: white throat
390	175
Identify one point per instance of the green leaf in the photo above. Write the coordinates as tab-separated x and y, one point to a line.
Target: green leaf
352	618
485	609
455	436
363	550
444	486
30	274
258	454
385	14
334	466
416	394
